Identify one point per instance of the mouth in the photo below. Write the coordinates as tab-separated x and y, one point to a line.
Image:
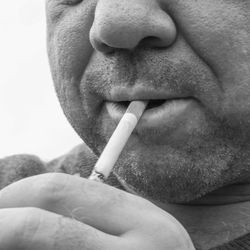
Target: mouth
151	104
159	114
167	111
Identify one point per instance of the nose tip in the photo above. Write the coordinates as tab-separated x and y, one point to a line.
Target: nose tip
129	25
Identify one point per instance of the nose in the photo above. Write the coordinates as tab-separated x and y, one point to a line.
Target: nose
126	24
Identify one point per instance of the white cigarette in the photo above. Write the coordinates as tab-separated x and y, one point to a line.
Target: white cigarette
117	141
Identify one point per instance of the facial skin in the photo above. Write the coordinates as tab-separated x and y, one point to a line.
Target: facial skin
195	49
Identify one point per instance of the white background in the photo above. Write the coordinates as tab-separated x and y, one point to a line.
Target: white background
31	120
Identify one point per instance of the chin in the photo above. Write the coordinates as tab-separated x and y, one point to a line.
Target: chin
172	176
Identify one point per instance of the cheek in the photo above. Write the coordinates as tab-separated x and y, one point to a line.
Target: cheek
219	32
216	30
68	42
71	53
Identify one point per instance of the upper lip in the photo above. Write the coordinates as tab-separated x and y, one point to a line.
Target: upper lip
119	94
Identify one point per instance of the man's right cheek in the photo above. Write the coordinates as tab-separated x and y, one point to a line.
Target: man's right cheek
70	53
68	41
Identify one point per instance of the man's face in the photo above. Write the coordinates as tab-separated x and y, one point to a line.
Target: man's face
193	55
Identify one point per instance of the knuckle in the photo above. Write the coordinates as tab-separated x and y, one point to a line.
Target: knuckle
50	188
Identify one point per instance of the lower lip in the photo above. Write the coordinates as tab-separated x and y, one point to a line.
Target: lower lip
169	113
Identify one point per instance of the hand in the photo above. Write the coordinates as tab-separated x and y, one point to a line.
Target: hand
60	211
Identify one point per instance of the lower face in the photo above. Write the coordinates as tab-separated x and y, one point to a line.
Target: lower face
196	138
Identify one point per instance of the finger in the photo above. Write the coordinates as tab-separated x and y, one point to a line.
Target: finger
101	206
32	228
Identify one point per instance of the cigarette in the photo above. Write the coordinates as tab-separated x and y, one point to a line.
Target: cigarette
117	141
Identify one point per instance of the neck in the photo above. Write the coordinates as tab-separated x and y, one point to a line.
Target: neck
227	195
216	218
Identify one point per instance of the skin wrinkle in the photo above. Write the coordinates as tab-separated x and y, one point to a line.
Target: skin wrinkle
195	50
171	75
209	65
217	23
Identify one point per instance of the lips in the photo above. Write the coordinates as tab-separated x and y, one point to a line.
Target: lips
141	92
154	116
163	110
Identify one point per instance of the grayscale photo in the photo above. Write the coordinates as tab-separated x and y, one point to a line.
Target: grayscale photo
125	125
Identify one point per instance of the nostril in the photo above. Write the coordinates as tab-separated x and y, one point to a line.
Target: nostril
101	46
121	25
152	41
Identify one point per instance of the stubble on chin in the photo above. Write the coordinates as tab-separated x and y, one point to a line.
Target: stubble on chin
179	177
